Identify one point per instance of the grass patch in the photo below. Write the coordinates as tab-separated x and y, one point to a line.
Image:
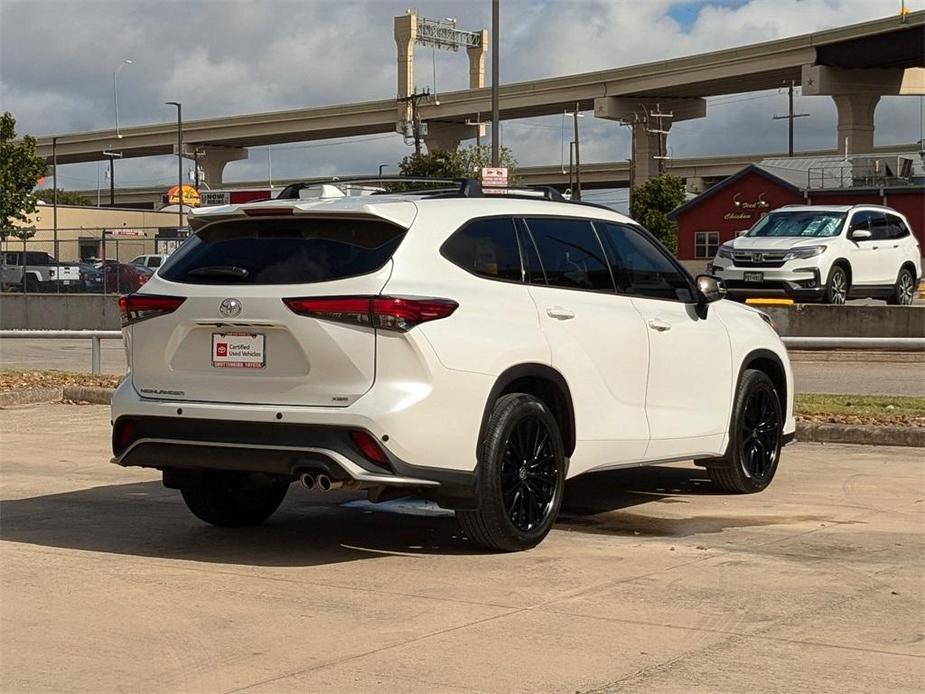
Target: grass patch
16	379
862	405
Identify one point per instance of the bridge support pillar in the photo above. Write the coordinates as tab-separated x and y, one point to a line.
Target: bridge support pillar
445	137
856	94
855	122
212	159
650	119
406	31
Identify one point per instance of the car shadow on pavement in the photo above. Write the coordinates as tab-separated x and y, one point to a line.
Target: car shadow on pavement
597	503
145	519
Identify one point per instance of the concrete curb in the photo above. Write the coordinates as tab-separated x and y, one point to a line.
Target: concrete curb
847	355
88	394
29	396
865	434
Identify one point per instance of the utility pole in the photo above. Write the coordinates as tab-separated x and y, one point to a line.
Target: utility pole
112	156
179	160
790	116
576	194
416	130
495	72
54	202
661	133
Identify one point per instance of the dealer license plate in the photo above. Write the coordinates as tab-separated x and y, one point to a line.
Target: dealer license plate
238	351
754	277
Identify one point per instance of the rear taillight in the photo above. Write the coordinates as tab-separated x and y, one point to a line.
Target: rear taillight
123	434
369	448
137	307
386	312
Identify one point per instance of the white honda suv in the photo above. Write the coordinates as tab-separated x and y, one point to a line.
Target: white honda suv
473	349
824	253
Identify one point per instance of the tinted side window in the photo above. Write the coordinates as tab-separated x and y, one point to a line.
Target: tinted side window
532	265
898	229
571	254
867	220
35	258
879	229
640	267
488	248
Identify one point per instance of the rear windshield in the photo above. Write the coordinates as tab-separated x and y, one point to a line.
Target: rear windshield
290	251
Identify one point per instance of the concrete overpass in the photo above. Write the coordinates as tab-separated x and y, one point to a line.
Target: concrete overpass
705	171
853	64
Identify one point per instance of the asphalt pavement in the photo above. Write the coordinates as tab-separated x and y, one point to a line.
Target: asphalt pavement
652	581
865	378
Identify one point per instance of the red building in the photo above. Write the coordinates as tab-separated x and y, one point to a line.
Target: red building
738	202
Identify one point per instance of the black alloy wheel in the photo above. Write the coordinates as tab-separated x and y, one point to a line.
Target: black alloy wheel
520	476
528	474
755	437
759	435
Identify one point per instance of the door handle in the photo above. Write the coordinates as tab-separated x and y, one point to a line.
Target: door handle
659	325
559	313
873	248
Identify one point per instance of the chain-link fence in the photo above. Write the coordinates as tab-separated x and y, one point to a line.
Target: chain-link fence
87	260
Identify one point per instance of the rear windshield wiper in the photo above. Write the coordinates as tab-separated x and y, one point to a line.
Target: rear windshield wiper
233	271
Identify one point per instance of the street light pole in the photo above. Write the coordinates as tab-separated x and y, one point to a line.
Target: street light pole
54	202
381	167
577	192
115	91
179	160
495	111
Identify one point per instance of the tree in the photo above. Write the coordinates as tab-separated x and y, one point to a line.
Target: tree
653	200
457	163
20	168
65	197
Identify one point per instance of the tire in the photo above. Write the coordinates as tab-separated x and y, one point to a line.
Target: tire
234	499
752	457
30	285
836	287
520	479
904	291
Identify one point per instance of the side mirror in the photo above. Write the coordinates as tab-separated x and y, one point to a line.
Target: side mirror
860	234
710	288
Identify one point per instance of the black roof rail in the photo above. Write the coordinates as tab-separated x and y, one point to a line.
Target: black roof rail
452	187
460	186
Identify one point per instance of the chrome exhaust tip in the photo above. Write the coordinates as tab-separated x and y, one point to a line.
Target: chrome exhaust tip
323	482
307	480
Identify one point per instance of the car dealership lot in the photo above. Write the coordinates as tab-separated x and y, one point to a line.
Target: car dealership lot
651	581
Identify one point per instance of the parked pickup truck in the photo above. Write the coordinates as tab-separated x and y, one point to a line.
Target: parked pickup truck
36	271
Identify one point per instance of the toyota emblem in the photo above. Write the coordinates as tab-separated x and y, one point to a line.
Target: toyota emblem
230	307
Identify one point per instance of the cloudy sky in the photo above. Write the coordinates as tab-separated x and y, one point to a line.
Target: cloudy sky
225	57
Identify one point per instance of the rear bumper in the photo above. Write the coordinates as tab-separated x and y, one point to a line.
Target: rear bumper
272	439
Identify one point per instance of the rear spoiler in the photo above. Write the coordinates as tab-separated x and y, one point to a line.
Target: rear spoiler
400	213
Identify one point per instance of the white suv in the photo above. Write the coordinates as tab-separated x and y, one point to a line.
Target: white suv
827	253
476	350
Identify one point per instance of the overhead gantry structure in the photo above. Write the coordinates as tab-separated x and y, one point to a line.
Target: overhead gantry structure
856	65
